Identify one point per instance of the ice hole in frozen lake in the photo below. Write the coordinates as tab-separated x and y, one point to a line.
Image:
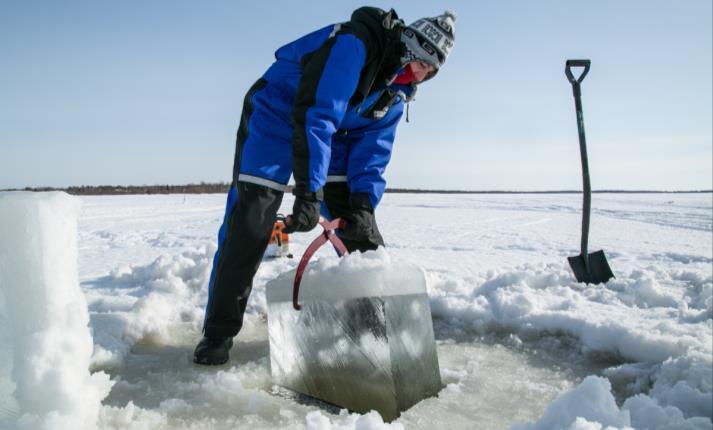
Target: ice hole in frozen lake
501	380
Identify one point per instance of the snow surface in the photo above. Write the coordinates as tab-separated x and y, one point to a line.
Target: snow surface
520	343
372	274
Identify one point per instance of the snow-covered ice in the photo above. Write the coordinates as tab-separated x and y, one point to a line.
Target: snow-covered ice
520	343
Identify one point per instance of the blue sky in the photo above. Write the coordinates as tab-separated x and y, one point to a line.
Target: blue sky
99	92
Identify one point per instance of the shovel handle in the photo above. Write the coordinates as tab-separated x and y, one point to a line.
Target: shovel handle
586	184
576	63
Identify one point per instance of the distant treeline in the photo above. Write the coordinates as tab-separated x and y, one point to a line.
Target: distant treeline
222	187
110	190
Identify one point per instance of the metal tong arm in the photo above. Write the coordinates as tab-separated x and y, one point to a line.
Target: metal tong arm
328	235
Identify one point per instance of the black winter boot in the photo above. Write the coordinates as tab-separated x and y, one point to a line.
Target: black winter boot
212	350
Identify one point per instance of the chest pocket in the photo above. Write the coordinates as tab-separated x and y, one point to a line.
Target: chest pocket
381	106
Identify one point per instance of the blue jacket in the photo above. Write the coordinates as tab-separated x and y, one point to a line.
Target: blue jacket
325	110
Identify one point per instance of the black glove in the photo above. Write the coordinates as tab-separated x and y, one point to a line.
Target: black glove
360	219
305	212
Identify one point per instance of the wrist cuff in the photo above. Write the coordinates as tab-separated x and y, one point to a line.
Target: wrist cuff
360	201
309	196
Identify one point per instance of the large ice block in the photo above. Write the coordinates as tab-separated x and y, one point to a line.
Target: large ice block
363	339
45	341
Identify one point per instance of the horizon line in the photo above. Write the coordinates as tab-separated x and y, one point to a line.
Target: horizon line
221	187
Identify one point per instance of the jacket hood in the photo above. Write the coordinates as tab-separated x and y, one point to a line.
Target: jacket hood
384	30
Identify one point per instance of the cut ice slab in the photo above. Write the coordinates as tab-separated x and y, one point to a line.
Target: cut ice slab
363	339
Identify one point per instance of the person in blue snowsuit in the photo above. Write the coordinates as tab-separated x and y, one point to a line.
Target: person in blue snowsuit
326	113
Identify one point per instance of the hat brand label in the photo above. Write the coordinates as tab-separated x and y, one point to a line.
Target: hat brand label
433	34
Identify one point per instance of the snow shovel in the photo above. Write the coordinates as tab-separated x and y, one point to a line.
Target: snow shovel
587	267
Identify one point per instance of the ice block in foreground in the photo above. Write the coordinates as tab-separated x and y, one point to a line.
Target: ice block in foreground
363	339
45	341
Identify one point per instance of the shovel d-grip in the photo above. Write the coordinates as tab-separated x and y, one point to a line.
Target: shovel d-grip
328	235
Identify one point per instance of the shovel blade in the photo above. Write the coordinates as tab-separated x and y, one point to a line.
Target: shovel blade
596	272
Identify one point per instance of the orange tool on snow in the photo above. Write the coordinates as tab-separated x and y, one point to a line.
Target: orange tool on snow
279	245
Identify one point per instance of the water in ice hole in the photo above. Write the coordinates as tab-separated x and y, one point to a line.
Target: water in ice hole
494	380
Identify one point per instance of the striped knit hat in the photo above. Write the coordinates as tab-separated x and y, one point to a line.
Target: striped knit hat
429	39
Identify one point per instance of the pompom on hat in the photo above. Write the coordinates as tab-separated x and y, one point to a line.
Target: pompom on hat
429	39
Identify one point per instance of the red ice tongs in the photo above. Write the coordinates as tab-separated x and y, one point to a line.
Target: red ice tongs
327	235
